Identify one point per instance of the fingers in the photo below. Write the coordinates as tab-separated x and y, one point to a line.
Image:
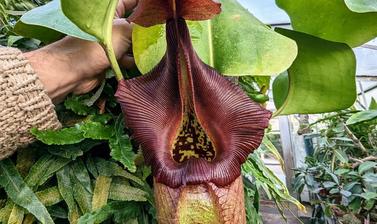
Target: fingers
125	6
122	36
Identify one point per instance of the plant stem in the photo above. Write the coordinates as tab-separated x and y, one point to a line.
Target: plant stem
108	47
355	140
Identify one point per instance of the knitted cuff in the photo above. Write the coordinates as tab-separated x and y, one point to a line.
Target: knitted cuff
24	104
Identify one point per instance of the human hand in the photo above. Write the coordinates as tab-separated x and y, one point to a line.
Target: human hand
76	66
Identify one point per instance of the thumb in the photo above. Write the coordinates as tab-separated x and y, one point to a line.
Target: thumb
125	6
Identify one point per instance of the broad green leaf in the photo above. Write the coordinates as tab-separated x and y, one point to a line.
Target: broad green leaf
321	79
121	148
128	210
331	20
66	190
20	193
362	6
48	23
362	116
234	42
367	165
63	136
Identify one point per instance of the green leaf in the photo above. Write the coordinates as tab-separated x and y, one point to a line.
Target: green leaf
367	165
373	104
369	195
20	193
44	169
341	155
329	184
234	42
362	6
121	148
362	116
78	106
109	169
72	151
65	186
50	19
128	210
96	131
123	192
321	79
82	186
331	20
63	136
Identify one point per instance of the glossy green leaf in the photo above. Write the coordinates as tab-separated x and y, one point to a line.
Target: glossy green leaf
321	79
121	148
63	136
362	6
362	116
96	130
234	42
331	20
20	193
48	23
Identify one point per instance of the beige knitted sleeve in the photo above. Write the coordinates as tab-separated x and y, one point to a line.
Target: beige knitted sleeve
24	104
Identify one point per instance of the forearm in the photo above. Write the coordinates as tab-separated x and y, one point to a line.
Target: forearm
24	103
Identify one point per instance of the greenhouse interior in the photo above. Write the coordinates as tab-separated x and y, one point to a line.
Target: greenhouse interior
188	111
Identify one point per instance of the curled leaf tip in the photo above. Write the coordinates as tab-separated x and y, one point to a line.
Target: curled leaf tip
193	124
152	12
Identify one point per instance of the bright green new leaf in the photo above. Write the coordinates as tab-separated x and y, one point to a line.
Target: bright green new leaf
331	20
362	116
48	23
362	6
96	130
121	148
234	42
63	136
20	193
321	79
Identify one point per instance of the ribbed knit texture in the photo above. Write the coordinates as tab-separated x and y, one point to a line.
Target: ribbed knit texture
24	104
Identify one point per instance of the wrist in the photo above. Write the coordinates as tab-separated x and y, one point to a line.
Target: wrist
55	70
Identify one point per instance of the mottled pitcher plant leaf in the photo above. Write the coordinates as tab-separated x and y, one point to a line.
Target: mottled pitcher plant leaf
194	125
152	12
